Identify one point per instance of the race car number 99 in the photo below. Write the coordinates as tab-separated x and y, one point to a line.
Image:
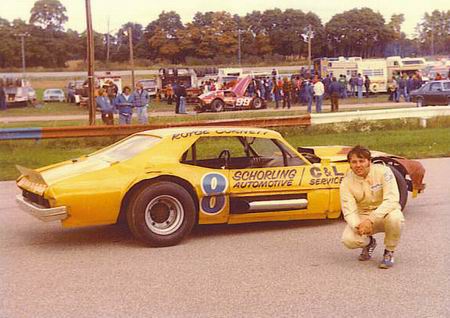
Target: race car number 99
243	101
214	186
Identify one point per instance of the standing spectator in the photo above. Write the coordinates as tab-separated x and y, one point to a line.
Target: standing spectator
274	73
276	93
319	91
104	105
124	103
334	94
367	85
262	89
352	83
392	87
2	98
112	90
326	83
140	102
401	90
438	77
287	89
181	98
343	84
309	93
169	94
359	85
409	86
268	88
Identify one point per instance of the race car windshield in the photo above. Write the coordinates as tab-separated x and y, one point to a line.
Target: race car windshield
126	148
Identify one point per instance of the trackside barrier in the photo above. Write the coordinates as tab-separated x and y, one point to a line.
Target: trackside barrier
299	121
423	113
100	131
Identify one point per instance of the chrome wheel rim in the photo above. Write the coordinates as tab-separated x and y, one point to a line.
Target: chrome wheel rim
164	215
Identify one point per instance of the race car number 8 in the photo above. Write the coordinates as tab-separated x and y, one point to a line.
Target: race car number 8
245	101
214	186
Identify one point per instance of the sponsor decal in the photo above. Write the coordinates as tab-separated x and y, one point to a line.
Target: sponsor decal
325	176
222	131
214	186
263	178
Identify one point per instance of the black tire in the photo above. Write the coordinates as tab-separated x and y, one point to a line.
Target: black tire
402	187
217	105
419	102
257	103
161	214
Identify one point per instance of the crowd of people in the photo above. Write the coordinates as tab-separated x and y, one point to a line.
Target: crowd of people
109	101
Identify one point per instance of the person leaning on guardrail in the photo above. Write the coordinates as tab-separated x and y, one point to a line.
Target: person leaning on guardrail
106	108
124	104
140	102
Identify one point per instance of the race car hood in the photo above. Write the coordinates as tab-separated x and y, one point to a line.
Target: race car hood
241	86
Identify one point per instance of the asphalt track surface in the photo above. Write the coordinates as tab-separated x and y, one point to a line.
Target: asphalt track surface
280	269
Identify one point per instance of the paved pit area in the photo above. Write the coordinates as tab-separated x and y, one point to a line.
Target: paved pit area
283	269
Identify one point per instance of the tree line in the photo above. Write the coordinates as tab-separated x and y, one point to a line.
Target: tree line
216	37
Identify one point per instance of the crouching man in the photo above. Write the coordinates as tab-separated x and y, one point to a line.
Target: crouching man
370	204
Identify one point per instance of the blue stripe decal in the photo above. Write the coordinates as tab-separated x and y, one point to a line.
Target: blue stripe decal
20	133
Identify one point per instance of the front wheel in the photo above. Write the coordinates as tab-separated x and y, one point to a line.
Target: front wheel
161	214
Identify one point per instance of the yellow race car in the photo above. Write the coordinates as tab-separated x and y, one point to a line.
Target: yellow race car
163	182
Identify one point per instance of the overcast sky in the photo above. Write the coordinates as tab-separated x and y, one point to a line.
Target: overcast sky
144	11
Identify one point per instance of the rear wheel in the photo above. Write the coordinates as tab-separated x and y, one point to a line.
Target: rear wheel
161	214
217	105
257	103
419	102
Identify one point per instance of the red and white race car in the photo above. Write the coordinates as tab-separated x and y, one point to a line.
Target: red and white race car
230	99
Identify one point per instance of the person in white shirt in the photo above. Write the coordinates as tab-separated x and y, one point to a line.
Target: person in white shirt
319	90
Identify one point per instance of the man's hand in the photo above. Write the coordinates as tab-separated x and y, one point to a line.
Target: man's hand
365	227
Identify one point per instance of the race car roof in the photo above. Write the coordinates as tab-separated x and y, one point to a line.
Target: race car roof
213	131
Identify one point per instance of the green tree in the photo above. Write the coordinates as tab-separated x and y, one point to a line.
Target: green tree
162	36
434	32
49	14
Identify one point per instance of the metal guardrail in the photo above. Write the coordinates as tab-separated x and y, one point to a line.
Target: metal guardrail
99	131
299	121
416	112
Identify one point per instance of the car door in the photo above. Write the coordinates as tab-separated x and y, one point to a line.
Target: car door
273	184
436	95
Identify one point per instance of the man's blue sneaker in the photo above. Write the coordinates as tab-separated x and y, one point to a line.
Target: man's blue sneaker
367	251
388	260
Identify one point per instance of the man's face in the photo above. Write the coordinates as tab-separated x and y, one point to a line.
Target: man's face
360	166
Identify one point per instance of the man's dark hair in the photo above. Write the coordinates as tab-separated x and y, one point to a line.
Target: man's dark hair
360	152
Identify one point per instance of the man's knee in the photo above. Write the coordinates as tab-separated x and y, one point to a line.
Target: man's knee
394	219
351	240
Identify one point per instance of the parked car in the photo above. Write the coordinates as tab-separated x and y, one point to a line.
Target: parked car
432	93
164	181
54	95
150	86
232	99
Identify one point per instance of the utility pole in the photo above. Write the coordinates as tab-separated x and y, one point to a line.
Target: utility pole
307	37
107	45
239	47
90	58
130	40
22	42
